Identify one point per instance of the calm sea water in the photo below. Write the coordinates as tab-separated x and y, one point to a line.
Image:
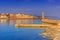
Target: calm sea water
8	31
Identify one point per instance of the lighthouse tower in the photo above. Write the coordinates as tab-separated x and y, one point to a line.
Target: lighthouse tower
43	17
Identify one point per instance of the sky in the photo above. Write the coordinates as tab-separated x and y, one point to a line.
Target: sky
52	8
32	7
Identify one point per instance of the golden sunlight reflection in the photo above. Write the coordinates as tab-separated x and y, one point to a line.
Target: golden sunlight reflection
12	22
24	21
17	21
3	20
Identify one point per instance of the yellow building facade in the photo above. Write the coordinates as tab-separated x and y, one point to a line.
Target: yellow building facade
3	16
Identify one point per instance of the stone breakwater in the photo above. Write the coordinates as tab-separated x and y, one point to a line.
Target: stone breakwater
52	33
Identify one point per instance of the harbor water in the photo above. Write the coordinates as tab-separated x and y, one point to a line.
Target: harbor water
8	31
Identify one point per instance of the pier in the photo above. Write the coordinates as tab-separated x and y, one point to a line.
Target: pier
38	26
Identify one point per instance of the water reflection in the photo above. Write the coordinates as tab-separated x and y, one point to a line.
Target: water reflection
25	21
12	22
9	32
18	21
3	21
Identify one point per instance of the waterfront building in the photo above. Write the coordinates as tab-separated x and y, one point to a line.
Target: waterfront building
12	16
24	16
18	16
3	16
